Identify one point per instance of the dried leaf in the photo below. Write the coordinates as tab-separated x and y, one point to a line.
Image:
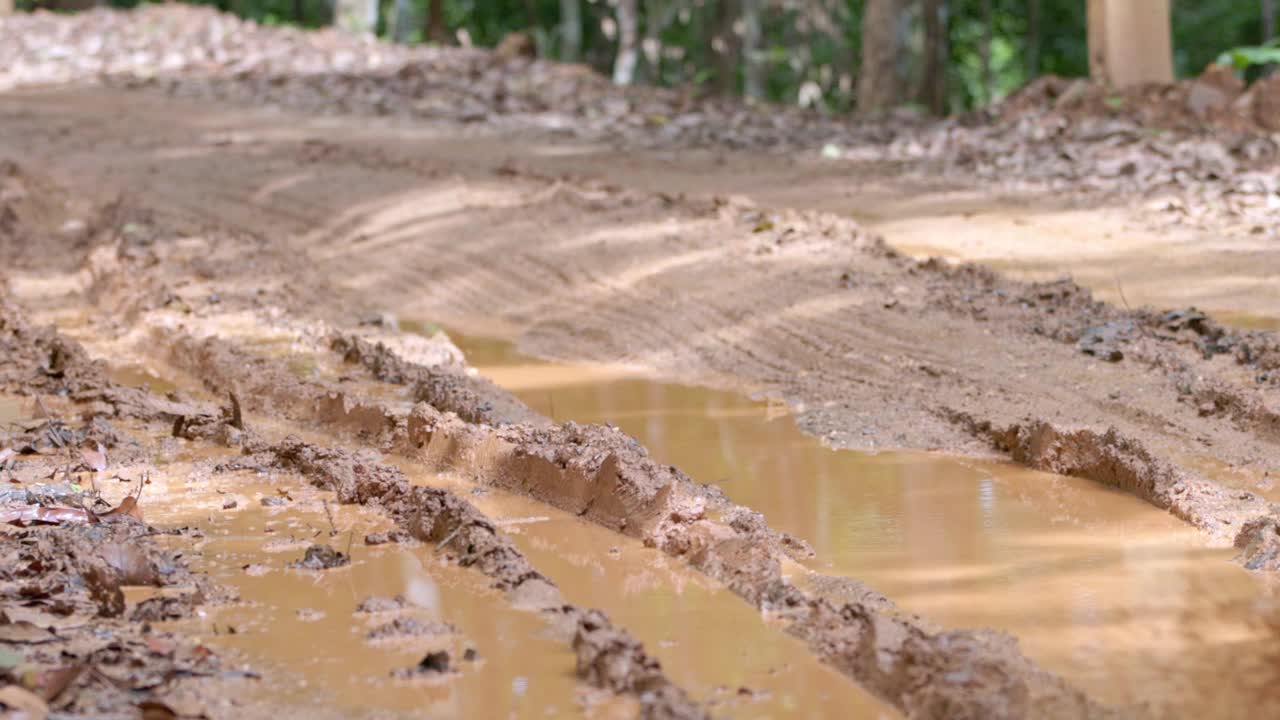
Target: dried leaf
95	460
156	710
131	564
54	682
25	633
39	514
25	702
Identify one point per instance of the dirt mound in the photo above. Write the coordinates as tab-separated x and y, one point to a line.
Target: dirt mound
1216	99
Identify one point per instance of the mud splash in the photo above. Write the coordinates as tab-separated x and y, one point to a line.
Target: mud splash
1123	599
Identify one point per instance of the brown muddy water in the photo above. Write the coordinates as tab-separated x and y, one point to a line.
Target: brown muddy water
1121	598
708	640
303	626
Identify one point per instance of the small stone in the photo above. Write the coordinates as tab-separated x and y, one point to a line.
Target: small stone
321	557
435	662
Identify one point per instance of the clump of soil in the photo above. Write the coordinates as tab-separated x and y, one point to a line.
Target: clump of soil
433	663
321	557
474	399
407	627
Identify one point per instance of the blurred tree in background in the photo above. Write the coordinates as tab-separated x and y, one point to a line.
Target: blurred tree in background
938	56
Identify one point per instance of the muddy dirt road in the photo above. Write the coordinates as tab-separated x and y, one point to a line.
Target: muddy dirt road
236	310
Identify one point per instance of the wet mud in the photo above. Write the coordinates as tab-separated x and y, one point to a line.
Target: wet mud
965	543
199	327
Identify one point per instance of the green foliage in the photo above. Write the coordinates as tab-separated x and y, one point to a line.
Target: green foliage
808	48
1244	58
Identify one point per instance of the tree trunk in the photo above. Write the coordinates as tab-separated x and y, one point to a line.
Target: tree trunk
724	42
358	17
434	30
6	7
753	68
879	84
570	30
624	65
403	21
988	37
1130	42
1268	20
299	10
658	14
1034	40
933	74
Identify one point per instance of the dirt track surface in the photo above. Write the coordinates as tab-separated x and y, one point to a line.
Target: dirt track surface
264	254
879	350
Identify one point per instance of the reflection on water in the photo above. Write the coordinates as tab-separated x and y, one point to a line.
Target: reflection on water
1121	598
304	622
708	640
1247	321
140	377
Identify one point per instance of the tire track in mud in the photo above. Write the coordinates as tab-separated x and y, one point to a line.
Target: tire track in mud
948	321
607	656
711	355
627	492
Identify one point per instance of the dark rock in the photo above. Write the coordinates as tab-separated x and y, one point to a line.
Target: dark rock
321	557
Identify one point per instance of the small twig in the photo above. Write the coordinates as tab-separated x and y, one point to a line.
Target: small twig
522	521
333	529
449	538
1121	291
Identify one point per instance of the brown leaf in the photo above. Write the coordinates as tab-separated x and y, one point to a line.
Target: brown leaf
131	564
39	514
23	632
95	460
104	589
54	682
127	506
25	702
156	710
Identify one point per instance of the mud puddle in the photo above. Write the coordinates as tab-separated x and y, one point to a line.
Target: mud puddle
716	646
307	625
1124	600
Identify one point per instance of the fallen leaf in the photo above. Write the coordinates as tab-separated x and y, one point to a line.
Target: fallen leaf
54	682
46	515
23	632
95	460
131	563
27	703
156	710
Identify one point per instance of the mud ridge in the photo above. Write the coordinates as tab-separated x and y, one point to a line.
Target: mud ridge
607	477
474	399
607	656
1112	459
